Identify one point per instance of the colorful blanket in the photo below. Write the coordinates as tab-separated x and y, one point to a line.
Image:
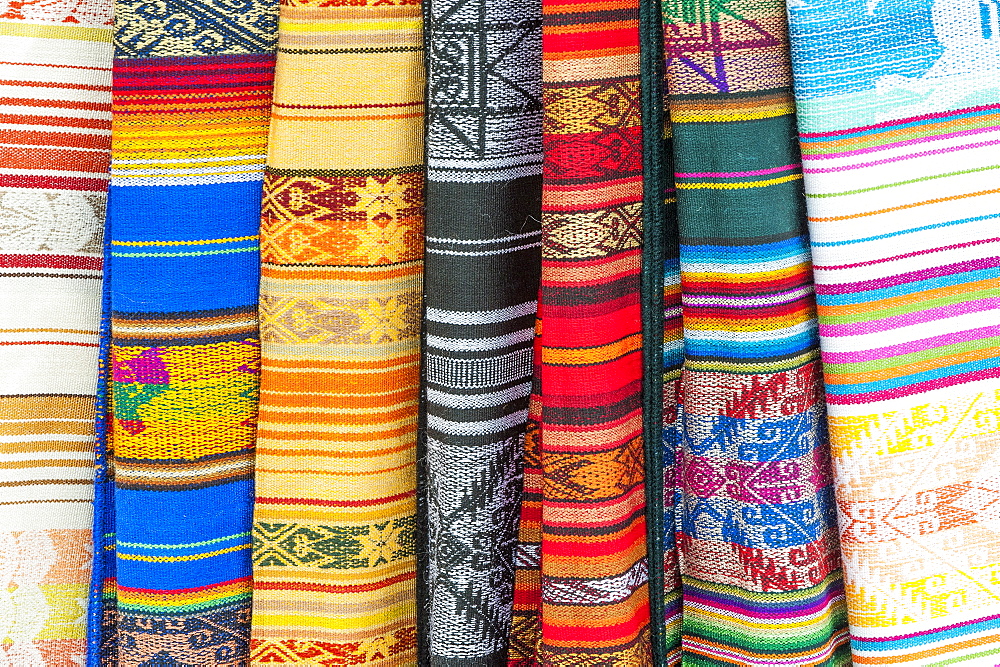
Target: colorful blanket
581	596
756	526
192	87
341	227
55	127
898	121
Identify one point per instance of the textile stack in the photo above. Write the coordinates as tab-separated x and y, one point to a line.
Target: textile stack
448	333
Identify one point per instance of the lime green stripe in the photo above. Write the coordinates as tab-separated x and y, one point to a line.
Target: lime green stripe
140	545
973	656
915	307
907	182
913	357
19	29
184	254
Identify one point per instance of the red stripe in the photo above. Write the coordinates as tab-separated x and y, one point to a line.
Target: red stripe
335	503
51	262
53	182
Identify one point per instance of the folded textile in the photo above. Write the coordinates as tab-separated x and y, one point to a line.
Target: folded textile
192	88
341	233
484	145
581	595
54	145
898	121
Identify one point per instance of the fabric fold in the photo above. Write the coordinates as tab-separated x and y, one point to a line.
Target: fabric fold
482	262
55	85
898	124
191	99
757	535
341	283
581	596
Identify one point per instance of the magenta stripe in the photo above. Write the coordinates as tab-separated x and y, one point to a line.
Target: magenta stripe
932	631
912	276
903	121
730	174
913	346
911	389
908	142
908	319
915	253
875	163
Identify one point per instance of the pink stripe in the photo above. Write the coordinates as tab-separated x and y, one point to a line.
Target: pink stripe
903	121
862	165
872	262
913	346
17	261
756	482
912	276
908	319
729	174
908	142
911	389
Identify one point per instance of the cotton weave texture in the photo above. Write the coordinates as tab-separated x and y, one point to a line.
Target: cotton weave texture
898	127
581	596
758	551
190	122
342	227
484	153
54	140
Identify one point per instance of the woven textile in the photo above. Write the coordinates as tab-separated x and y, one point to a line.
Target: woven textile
54	139
581	596
192	86
342	225
484	155
898	118
757	535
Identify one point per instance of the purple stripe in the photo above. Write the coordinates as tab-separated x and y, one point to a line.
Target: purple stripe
898	144
913	346
916	253
908	319
913	276
911	389
730	174
875	163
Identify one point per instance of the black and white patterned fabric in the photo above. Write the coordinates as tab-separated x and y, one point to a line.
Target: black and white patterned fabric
481	283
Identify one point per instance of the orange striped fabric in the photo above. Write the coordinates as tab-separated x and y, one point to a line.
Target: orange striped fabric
340	305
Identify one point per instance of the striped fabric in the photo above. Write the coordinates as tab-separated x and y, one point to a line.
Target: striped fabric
581	597
484	154
188	144
757	535
898	119
55	121
342	226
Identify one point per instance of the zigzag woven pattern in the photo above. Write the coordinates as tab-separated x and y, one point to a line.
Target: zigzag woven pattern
342	226
581	596
55	127
758	552
190	121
